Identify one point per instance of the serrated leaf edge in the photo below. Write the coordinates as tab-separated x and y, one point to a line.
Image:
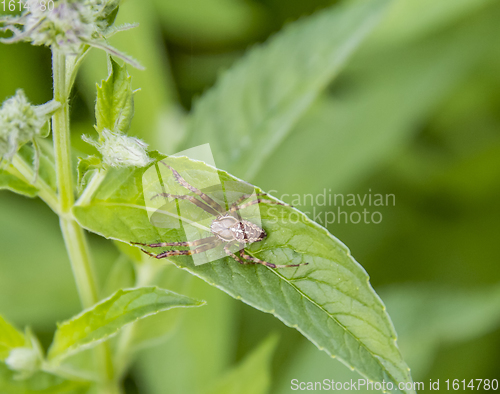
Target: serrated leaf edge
77	349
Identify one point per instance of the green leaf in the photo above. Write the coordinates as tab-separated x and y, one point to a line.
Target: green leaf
85	169
109	12
45	130
10	338
16	185
246	116
46	171
115	100
253	375
330	300
35	162
39	383
110	315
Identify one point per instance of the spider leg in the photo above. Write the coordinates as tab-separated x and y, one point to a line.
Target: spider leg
169	253
234	206
188	243
253	202
229	253
244	197
192	199
202	195
255	260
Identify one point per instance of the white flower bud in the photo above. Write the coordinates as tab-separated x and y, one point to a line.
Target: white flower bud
20	122
68	26
23	359
119	150
64	27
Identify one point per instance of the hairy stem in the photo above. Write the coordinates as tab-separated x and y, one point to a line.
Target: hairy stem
74	237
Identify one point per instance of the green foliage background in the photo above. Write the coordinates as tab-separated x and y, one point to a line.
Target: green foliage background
415	113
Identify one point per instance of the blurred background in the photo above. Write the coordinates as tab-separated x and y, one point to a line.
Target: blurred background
415	113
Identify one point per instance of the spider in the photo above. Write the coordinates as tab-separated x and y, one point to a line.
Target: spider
227	228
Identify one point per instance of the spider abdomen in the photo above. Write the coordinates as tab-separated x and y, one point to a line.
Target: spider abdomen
248	232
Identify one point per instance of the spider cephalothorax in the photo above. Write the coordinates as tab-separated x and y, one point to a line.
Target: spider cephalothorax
227	228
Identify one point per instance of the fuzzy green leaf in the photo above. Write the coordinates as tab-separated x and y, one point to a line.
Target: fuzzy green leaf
115	100
246	116
46	129
109	12
110	315
330	300
85	169
46	170
10	338
16	185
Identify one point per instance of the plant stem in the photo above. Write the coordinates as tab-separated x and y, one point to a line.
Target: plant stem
60	124
72	232
74	237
